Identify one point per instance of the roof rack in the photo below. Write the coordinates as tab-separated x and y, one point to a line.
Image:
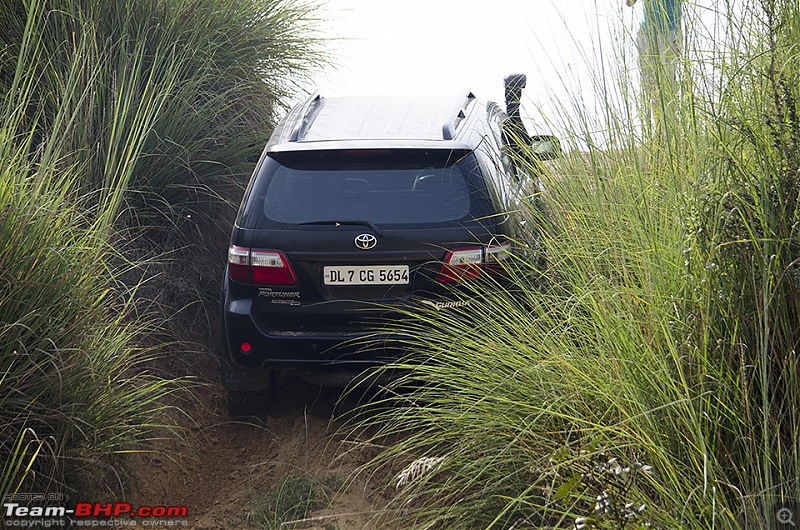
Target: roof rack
451	123
309	112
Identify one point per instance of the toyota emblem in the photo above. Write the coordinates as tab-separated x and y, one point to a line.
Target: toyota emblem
366	241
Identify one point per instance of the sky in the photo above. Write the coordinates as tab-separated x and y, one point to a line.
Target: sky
449	46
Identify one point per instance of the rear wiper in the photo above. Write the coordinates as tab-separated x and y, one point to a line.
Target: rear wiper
370	224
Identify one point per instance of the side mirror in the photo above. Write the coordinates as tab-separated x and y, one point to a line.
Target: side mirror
545	147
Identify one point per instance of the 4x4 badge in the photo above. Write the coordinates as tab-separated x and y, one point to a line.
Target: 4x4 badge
366	241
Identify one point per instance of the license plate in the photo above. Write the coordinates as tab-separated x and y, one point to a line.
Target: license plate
365	275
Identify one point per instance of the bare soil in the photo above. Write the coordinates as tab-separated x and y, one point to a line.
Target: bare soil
224	469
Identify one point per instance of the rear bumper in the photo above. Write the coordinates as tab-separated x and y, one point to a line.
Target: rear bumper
250	345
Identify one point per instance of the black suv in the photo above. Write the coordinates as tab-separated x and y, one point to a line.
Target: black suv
358	204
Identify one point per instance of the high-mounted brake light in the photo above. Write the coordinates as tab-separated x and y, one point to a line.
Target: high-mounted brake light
259	266
366	152
471	263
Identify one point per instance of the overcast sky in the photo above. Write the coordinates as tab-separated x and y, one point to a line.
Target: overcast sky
444	46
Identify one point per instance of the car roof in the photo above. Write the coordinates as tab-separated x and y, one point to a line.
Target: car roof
372	118
378	121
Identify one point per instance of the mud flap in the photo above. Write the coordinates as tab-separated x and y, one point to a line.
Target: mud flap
249	391
240	379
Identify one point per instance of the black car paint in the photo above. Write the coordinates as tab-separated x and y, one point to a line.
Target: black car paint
310	326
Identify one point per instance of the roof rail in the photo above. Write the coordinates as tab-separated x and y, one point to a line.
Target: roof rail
308	113
452	122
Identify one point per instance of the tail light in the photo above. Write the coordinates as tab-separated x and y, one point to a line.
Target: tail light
259	266
471	263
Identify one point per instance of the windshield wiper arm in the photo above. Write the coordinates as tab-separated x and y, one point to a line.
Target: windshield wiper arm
357	222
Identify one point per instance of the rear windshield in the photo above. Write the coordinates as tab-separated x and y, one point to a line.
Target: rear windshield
384	187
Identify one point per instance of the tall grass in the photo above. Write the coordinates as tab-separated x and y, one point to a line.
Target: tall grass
662	334
114	114
747	233
194	86
74	392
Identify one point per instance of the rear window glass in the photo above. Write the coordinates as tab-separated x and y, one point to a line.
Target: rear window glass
385	187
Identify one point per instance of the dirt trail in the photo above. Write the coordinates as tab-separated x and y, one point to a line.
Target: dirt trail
224	469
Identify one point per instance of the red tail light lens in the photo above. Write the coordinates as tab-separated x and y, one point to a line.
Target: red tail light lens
461	264
271	267
259	267
470	263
